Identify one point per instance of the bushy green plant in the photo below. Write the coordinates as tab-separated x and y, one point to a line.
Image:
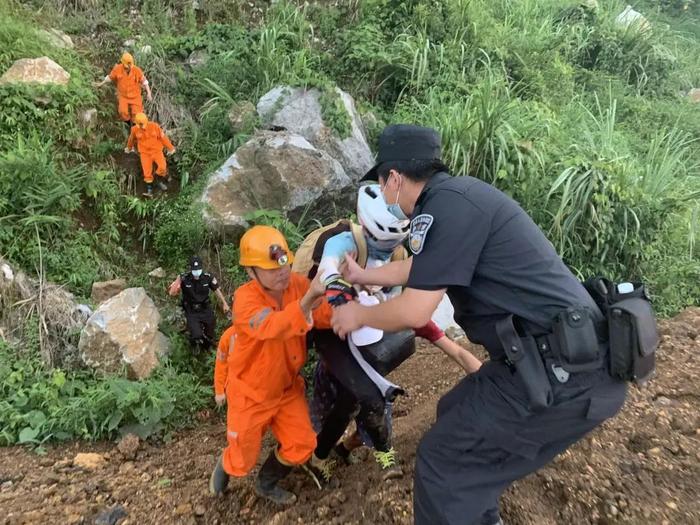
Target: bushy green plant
39	405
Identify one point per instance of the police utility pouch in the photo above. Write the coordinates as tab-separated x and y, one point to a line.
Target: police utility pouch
523	354
633	339
577	348
632	330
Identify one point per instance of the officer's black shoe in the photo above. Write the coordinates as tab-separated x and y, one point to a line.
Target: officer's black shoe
270	474
149	191
218	481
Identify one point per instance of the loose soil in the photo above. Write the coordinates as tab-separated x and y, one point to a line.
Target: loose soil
642	467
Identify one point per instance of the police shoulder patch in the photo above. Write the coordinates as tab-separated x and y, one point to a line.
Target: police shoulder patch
419	229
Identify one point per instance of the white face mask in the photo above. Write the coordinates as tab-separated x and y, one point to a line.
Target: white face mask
196	273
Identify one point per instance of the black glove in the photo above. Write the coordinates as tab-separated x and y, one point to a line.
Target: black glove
339	291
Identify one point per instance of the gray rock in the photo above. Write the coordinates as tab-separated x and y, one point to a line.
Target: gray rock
123	332
88	117
197	58
103	290
694	95
273	170
299	111
158	273
111	516
57	38
41	70
242	116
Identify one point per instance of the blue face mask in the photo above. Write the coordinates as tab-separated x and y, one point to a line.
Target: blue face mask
380	250
397	212
196	273
395	209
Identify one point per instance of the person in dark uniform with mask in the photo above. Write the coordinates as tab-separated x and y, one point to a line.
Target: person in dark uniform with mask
547	382
195	287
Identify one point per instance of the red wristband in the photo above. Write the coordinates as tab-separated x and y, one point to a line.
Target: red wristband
431	332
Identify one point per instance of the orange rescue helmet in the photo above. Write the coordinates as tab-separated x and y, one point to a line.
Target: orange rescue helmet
140	119
264	247
127	59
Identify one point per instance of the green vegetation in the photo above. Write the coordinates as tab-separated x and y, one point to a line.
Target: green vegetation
585	123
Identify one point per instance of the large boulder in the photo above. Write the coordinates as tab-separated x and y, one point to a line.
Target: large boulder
35	71
57	38
123	332
299	111
104	290
273	170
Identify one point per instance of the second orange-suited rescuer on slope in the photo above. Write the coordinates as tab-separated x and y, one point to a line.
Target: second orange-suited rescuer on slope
150	140
264	390
128	79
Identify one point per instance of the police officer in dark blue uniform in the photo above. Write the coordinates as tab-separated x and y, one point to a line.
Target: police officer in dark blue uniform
547	383
195	287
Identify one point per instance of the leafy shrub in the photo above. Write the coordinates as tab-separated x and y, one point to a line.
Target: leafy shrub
37	405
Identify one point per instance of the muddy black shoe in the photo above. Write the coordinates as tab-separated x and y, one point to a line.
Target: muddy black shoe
149	191
162	186
218	481
270	474
387	461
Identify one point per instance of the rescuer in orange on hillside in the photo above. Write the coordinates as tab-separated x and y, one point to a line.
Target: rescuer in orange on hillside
226	344
150	140
272	315
129	79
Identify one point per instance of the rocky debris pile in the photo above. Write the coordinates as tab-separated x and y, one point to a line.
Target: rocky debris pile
61	317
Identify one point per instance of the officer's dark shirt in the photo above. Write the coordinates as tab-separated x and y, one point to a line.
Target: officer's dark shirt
492	258
196	291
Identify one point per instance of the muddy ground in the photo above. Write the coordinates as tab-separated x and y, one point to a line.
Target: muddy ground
641	467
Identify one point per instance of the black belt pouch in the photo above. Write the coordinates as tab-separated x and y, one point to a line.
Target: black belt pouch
576	347
523	354
633	338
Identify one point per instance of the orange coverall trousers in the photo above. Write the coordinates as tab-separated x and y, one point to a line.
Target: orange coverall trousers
129	107
147	161
247	422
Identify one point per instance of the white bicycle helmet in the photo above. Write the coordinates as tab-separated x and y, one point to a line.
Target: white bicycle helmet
384	229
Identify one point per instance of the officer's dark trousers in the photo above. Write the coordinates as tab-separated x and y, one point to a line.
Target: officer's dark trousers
355	391
485	438
201	325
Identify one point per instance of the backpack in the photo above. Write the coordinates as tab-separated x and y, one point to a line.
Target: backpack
308	255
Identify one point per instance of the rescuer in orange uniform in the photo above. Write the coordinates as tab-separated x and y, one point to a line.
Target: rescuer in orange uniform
150	139
272	315
226	344
129	79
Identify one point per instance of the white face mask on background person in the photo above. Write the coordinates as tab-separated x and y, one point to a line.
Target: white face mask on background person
196	273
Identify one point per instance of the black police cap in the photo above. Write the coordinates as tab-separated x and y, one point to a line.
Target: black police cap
195	262
405	142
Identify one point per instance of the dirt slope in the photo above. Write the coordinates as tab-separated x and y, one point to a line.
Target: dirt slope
642	467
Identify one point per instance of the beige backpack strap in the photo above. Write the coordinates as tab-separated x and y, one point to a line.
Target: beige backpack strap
361	244
399	254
